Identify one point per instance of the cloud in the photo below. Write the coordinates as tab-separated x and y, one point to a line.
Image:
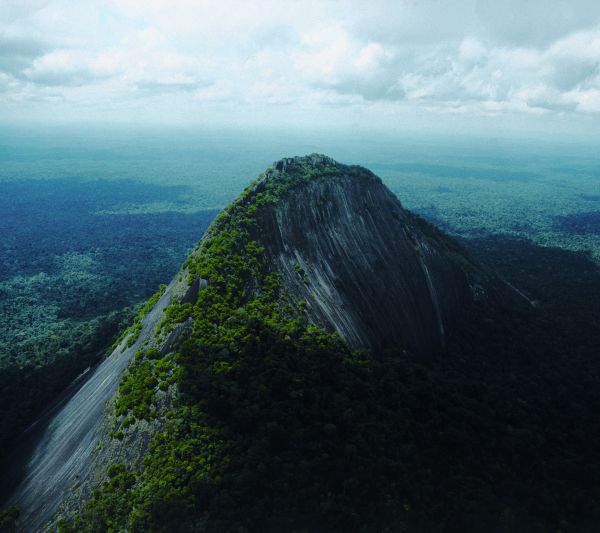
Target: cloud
469	72
61	68
17	52
575	60
470	57
160	87
11	10
536	23
333	60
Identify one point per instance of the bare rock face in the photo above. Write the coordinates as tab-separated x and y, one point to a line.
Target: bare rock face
348	253
66	453
366	267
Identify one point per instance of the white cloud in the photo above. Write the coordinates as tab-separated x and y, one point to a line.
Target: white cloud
535	23
60	67
468	57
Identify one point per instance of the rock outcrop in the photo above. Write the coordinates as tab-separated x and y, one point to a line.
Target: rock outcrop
66	453
366	267
349	255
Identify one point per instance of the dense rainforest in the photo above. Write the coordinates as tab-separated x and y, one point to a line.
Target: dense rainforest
71	277
278	426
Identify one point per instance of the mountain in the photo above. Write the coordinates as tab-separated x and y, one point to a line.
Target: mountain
366	267
268	385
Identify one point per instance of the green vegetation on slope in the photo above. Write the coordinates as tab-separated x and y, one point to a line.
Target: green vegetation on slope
280	428
8	518
70	278
26	389
131	333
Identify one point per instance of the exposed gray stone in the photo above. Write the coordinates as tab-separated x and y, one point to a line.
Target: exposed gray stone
371	270
366	268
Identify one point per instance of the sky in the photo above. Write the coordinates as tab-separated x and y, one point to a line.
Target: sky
435	65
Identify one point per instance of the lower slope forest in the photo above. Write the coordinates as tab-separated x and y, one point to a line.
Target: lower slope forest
71	277
499	435
280	428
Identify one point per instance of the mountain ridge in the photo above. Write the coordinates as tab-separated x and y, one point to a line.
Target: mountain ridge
367	268
258	298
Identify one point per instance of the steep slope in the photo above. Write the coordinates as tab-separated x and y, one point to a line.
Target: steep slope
71	445
313	260
367	268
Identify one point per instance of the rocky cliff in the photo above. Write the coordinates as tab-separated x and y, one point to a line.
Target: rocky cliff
367	268
343	255
65	454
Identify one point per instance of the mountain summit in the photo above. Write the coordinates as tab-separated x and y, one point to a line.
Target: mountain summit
260	390
367	268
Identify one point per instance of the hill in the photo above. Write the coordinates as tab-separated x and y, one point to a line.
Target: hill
325	361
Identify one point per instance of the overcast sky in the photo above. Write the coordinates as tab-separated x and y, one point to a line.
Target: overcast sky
439	64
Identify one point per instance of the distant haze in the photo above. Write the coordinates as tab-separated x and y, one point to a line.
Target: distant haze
430	65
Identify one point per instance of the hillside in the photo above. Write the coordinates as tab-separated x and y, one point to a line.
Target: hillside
327	362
